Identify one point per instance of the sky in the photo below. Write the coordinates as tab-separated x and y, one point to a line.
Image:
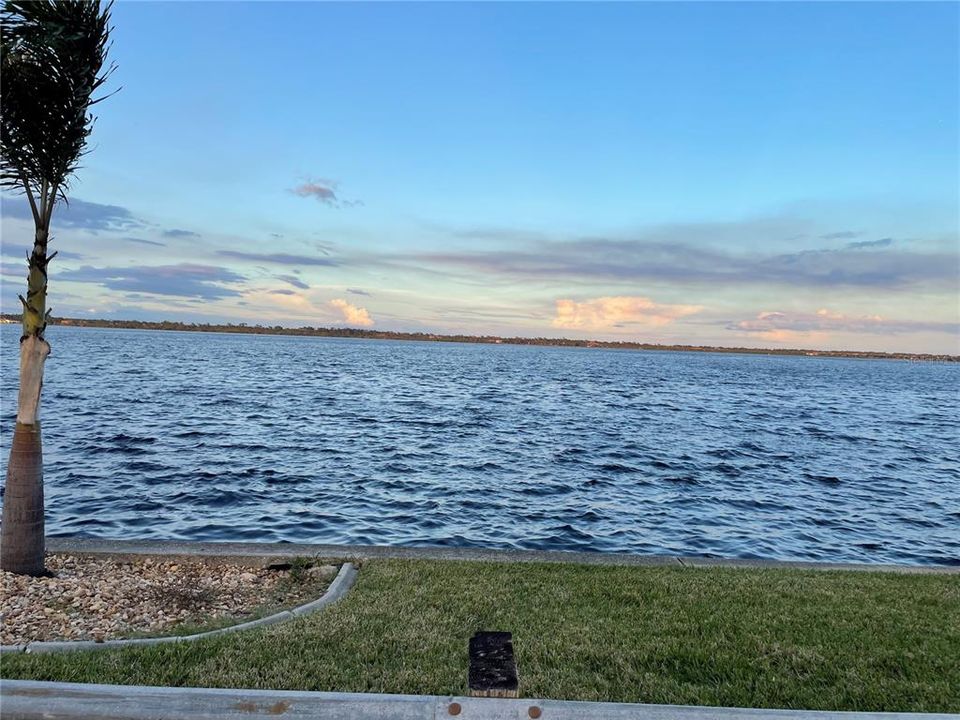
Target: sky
760	175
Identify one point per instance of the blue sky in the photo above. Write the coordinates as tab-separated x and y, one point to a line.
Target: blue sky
769	174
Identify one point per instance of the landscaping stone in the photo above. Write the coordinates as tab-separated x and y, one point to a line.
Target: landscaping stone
91	598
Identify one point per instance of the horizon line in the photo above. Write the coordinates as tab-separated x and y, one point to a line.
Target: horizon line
426	336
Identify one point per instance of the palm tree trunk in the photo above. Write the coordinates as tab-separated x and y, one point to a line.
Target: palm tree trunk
22	546
22	541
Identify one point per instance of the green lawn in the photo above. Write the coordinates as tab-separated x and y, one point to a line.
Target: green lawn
719	636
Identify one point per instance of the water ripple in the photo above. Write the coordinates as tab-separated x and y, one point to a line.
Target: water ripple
328	440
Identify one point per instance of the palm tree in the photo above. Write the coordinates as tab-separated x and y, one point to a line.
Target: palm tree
53	54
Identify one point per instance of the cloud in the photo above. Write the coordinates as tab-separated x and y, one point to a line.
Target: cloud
21	252
141	241
294	303
645	260
77	213
792	326
352	314
792	337
278	258
177	233
183	280
605	313
865	267
881	243
491	233
294	280
357	291
322	190
842	235
596	259
14	270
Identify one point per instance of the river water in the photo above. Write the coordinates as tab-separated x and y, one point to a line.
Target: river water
171	435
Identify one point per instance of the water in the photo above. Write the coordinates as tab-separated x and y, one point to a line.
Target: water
263	438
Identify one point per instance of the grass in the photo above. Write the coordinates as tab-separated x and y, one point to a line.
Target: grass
717	636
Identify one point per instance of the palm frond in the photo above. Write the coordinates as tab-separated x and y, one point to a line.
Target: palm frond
52	58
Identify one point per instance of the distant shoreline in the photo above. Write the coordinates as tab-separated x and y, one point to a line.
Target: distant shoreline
307	331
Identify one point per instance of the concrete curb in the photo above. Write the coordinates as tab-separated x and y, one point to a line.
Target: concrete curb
338	588
29	699
253	552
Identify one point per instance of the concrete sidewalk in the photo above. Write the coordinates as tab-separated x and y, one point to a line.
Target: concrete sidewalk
262	552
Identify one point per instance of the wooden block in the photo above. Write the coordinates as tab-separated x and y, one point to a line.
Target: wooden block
493	669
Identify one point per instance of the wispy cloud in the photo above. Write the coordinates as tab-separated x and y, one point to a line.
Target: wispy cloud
642	260
141	241
321	190
881	243
352	314
606	313
183	280
294	280
357	291
78	214
791	326
277	258
178	233
842	235
325	192
491	233
21	251
13	270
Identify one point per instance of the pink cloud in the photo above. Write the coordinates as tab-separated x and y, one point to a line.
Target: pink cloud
817	326
352	314
606	313
323	190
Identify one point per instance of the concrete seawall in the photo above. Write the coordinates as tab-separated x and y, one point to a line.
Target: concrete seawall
263	552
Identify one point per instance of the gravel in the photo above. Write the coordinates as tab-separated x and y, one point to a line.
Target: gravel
93	598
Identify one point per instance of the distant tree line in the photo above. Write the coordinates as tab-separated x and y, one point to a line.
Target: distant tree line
341	332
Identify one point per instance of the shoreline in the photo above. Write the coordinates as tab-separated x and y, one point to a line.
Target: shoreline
204	548
358	334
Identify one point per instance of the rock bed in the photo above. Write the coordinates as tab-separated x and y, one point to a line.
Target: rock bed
92	598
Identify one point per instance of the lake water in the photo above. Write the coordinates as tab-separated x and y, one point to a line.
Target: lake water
264	438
